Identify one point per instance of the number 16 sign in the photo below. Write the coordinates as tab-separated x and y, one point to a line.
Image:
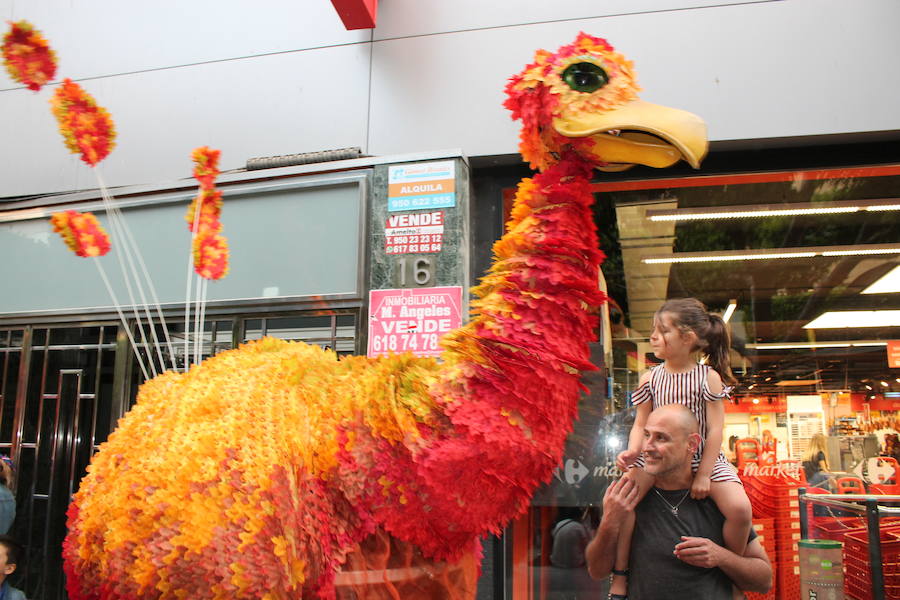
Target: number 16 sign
412	320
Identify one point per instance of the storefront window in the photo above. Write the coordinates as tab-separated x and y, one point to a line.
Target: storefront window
805	266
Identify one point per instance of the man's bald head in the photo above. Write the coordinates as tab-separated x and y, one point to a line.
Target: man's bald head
675	417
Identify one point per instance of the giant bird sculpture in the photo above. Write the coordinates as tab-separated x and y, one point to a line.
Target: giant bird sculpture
260	471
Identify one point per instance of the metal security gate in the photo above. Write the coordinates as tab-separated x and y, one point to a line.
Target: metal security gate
62	390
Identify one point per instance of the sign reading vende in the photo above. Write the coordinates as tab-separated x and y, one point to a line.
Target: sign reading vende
412	320
423	185
414	233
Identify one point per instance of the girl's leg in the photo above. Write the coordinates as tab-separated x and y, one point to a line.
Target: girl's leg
732	501
734	504
619	584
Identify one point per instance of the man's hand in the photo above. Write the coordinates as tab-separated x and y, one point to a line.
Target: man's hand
700	487
618	507
625	459
620	499
699	552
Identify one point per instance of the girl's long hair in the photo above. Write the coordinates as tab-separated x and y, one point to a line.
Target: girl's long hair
713	339
816	445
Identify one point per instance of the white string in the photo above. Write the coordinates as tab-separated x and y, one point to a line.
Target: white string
132	250
205	287
198	324
121	316
190	274
118	238
187	310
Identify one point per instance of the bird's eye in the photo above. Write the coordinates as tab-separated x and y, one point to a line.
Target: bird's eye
585	77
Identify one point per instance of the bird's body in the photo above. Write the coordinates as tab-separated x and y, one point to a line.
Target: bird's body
255	474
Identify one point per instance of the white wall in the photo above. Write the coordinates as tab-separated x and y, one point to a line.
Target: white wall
283	76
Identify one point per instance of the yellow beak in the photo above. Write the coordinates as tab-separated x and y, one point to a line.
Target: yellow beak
643	133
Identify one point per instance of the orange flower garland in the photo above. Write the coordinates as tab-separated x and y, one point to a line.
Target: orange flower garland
81	232
27	55
210	255
87	128
210	210
206	166
210	249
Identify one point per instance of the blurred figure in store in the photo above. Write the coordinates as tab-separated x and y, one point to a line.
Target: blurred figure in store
731	454
569	578
7	499
891	446
815	464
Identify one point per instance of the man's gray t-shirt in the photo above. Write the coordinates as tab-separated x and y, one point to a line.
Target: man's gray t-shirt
654	570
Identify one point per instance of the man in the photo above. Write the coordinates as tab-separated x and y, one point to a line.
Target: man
677	547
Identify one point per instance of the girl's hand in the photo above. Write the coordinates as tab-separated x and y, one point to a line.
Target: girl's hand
625	459
700	487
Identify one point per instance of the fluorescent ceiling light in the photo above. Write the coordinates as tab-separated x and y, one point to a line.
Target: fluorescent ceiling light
888	284
836	319
813	345
773	210
770	254
732	304
792	382
861	251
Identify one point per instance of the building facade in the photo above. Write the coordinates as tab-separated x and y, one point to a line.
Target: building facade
801	114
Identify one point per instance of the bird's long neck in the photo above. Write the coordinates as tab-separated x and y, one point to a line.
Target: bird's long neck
511	377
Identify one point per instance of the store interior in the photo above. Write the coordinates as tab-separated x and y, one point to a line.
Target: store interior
804	268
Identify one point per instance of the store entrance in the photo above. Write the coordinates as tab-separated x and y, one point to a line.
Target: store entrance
63	388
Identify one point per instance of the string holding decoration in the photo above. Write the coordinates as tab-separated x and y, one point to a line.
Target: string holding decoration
27	55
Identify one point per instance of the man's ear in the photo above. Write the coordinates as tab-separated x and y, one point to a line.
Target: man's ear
694	440
8	569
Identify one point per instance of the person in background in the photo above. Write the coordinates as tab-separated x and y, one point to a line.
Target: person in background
815	464
11	553
7	499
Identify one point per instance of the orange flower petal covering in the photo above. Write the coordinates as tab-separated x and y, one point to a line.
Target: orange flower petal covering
210	249
27	55
538	94
263	470
81	232
87	128
257	472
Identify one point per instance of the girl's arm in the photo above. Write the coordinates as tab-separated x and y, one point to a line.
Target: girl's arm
715	425
636	436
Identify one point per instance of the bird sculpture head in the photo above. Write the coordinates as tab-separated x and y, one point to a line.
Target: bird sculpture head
584	99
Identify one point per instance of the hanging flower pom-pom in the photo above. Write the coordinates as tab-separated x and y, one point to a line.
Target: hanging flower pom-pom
211	255
206	165
27	55
87	128
210	209
81	232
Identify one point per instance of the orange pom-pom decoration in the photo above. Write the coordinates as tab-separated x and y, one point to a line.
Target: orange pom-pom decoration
210	255
81	232
210	209
206	165
87	128
27	55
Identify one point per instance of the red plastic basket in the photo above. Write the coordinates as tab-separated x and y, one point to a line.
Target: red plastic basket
858	572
